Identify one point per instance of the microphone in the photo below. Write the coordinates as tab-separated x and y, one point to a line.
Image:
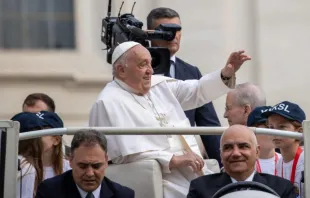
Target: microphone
137	31
151	34
162	35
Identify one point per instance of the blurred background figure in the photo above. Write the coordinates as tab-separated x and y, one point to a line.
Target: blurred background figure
36	102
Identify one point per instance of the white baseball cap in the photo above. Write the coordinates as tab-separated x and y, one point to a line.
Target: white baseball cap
121	49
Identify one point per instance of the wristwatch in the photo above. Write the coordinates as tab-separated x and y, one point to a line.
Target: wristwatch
224	78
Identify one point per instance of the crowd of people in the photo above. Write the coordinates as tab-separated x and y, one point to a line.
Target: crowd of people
181	97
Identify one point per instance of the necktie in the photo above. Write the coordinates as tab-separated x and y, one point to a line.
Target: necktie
90	195
171	65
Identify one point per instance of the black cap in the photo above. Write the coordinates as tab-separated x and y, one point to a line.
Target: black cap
29	121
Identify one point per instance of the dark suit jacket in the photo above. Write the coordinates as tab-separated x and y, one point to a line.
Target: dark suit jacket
206	186
63	186
202	116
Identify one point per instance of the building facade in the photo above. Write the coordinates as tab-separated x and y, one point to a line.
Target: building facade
54	47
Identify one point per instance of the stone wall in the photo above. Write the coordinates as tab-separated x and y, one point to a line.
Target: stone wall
275	33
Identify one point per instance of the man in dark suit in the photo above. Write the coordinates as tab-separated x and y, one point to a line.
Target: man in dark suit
205	115
88	161
239	152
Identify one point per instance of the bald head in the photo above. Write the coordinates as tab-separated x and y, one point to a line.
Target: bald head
239	151
239	131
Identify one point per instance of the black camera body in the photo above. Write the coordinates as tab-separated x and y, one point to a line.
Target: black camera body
116	30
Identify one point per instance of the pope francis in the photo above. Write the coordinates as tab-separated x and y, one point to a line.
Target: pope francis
136	98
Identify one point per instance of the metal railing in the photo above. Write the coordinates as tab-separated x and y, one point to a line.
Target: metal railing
13	127
153	131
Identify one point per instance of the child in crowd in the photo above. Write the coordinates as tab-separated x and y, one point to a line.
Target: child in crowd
268	157
289	117
40	158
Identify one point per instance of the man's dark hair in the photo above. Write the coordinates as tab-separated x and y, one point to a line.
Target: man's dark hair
160	13
31	99
88	138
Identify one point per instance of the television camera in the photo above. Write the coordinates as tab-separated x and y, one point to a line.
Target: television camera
126	27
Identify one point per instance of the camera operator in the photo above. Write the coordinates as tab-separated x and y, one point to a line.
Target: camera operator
202	116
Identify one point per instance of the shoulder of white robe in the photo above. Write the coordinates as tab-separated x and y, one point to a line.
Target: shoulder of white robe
156	79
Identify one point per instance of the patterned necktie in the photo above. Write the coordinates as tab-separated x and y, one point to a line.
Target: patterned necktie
90	195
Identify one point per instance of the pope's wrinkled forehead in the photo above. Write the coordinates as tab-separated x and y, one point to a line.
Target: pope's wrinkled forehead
138	53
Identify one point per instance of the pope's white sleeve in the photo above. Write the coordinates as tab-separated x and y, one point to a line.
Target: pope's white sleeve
99	116
163	158
194	93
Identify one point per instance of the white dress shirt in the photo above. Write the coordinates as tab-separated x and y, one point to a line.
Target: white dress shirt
248	179
96	192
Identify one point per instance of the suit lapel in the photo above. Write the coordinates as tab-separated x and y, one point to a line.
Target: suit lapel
223	180
71	189
260	179
106	191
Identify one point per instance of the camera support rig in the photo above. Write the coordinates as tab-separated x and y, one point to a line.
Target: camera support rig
126	27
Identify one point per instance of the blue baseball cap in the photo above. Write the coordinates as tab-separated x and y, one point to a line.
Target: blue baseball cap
255	117
28	121
288	110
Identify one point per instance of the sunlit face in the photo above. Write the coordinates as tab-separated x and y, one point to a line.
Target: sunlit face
49	142
37	107
88	165
276	121
235	113
138	70
173	45
265	141
238	151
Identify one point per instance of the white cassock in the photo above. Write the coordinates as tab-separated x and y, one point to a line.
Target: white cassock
163	106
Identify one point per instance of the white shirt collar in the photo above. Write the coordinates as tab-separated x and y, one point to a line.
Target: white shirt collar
96	192
124	85
248	179
173	58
